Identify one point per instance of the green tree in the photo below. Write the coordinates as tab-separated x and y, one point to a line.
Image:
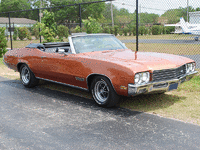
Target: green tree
173	15
13	5
49	20
63	31
92	26
48	27
71	14
3	42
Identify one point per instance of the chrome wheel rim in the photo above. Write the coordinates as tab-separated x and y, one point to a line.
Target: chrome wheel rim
101	91
25	75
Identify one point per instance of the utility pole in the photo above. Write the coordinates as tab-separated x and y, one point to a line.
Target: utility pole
187	10
112	14
137	25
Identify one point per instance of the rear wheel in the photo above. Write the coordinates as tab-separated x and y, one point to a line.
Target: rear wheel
27	77
103	92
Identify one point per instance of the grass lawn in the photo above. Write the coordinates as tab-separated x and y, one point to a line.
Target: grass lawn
177	49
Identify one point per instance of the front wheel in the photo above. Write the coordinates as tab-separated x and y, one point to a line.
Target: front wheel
27	77
103	92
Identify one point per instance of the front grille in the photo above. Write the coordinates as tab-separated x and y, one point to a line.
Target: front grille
168	74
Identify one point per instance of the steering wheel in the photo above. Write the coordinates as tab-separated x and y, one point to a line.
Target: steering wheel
41	47
109	45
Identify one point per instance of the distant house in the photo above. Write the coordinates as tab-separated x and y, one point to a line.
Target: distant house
18	22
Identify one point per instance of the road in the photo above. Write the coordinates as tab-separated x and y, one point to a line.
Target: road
162	41
40	119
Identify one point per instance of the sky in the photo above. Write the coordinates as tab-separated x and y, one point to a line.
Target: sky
155	6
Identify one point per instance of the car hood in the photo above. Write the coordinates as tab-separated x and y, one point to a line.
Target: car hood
140	61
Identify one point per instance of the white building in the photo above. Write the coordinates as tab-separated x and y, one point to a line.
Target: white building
16	22
194	17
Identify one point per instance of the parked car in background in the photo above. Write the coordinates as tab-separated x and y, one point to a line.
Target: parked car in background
101	64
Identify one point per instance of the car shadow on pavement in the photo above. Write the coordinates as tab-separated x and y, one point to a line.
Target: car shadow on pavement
69	98
125	108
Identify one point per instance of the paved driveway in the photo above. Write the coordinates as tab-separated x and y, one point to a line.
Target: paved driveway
164	41
39	119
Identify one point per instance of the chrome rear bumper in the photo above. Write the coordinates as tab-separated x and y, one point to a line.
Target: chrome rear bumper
161	86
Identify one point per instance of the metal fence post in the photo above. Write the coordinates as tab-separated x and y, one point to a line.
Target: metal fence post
137	25
80	19
10	31
39	21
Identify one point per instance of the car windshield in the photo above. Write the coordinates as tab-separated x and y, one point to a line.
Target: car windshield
91	43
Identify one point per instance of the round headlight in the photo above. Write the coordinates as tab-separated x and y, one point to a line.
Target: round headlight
190	67
142	78
137	78
145	77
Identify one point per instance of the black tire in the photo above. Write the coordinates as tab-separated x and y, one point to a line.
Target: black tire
103	92
27	77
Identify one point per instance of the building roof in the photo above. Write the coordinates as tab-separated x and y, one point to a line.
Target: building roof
194	13
4	20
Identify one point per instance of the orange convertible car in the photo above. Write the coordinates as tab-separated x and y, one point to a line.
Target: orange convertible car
100	63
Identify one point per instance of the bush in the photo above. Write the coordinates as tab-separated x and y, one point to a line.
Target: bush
155	30
106	29
133	29
35	32
116	30
163	30
92	26
141	30
125	31
3	42
29	35
78	29
22	32
112	30
62	31
120	32
146	30
169	29
15	35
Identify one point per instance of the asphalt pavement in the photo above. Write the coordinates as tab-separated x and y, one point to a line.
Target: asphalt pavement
39	118
164	41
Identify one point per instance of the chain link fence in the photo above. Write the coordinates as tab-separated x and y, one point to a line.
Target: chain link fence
160	24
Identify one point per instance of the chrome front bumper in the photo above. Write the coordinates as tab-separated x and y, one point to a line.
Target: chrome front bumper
161	86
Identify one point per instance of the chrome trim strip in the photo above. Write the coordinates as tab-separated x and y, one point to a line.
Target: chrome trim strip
63	83
71	45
